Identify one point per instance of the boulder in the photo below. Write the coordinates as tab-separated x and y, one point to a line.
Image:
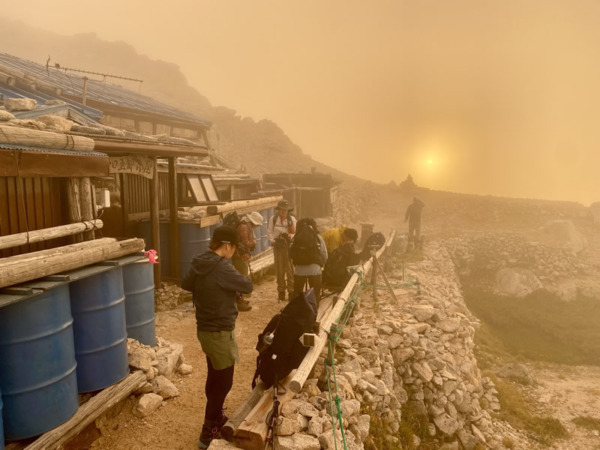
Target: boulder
516	282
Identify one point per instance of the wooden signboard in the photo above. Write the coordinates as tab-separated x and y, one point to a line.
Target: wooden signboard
136	165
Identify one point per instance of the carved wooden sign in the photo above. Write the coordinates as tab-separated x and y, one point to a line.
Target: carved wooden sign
136	165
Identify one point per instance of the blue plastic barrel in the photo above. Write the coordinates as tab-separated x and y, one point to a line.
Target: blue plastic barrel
193	241
1	427
98	307
37	364
138	284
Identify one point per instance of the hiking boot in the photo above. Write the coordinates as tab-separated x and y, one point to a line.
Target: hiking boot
243	305
210	431
281	296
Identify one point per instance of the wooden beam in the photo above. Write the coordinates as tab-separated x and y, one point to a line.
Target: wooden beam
313	353
74	204
240	414
242	204
174	220
14	270
87	207
88	412
155	221
45	234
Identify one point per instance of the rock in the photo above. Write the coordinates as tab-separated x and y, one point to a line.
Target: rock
167	359
222	444
147	404
516	282
402	354
286	427
446	424
448	325
184	369
350	408
140	359
515	372
293	407
424	371
164	387
565	235
423	312
297	442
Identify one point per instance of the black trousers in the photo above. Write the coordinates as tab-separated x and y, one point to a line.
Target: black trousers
218	385
314	281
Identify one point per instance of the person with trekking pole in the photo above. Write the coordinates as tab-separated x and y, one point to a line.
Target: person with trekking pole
215	285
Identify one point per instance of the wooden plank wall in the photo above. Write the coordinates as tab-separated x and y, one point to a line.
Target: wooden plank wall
136	192
31	204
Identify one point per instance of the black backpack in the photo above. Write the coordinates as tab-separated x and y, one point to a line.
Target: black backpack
232	220
376	240
306	248
335	272
284	329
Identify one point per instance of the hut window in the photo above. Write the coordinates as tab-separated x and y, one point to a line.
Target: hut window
202	188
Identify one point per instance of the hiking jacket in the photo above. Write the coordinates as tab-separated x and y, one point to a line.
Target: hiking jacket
246	241
333	238
278	226
214	284
413	212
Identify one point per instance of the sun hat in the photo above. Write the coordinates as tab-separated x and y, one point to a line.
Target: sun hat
285	205
225	235
255	218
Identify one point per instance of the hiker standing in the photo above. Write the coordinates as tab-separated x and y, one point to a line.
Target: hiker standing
413	215
334	237
309	254
246	245
214	284
281	230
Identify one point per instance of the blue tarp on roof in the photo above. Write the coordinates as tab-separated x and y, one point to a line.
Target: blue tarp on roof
99	91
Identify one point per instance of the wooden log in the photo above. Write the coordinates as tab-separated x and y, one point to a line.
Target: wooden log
239	204
74	204
155	222
45	139
56	251
45	234
240	414
32	268
251	433
313	353
86	205
88	412
173	230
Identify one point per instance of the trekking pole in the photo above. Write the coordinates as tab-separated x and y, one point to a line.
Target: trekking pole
374	271
387	282
272	418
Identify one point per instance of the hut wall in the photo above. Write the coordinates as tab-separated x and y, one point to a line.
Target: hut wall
28	204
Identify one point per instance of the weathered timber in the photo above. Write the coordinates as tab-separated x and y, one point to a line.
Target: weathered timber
88	412
240	414
251	433
45	234
56	251
239	204
313	353
74	205
87	205
154	221
45	139
19	271
265	261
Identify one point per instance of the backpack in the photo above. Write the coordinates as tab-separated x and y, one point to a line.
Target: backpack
376	240
335	272
232	220
306	247
285	328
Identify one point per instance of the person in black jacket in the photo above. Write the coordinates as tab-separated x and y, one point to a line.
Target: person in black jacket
214	284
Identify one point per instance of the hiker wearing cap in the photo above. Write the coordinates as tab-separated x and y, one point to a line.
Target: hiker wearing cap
246	245
214	284
280	231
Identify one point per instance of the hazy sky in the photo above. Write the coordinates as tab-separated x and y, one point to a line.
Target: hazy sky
490	97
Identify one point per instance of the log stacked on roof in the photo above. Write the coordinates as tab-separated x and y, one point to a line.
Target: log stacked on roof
27	267
45	139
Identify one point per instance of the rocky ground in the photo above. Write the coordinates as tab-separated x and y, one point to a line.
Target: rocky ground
563	392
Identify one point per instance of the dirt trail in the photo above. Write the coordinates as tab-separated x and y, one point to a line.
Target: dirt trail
176	424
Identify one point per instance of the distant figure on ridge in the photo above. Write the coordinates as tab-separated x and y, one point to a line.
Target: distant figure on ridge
413	215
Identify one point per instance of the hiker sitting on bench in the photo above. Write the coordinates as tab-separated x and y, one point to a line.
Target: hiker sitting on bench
335	273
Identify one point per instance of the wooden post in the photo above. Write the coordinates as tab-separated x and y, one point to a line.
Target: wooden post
174	221
86	206
155	221
374	277
73	204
